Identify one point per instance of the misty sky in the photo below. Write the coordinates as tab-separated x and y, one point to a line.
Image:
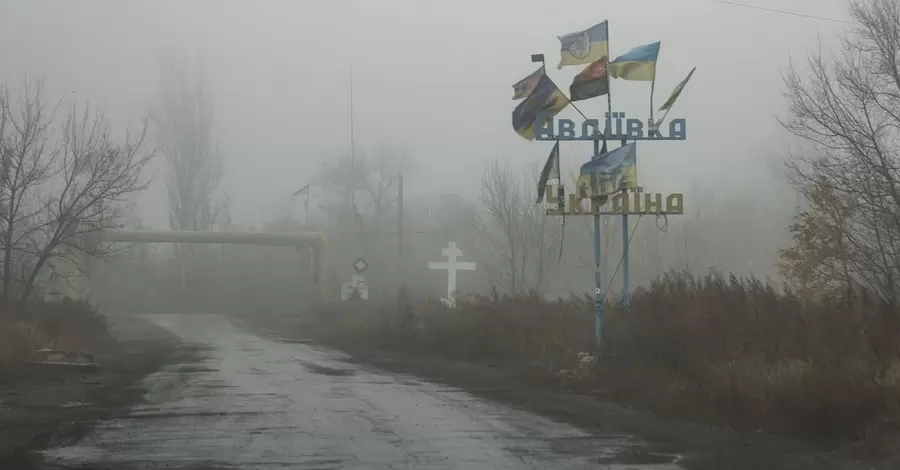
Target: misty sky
431	77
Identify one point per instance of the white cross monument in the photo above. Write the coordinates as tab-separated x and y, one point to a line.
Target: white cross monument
451	265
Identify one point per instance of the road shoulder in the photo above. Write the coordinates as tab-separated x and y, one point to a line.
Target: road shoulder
47	408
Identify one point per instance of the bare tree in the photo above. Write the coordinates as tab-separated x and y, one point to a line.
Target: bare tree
374	184
59	192
184	117
89	192
370	181
500	197
27	164
518	229
849	111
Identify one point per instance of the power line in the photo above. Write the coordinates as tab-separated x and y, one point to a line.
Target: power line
783	12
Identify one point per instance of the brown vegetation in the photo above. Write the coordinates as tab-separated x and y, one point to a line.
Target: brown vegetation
722	350
69	325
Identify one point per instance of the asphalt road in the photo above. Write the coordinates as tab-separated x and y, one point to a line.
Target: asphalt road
247	401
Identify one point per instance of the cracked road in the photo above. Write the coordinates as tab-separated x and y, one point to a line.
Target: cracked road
249	401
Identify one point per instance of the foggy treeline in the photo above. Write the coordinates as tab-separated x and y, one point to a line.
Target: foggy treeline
356	203
244	106
516	247
355	200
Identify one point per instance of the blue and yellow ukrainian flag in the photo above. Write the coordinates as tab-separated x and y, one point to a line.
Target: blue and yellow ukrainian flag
584	47
610	172
544	98
637	64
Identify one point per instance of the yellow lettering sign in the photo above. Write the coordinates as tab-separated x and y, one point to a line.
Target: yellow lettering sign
636	203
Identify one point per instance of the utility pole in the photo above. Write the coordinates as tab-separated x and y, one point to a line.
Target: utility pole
306	212
400	266
352	154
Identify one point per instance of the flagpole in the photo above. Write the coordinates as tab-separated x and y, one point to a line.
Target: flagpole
560	196
598	295
653	83
663	118
626	292
672	104
598	258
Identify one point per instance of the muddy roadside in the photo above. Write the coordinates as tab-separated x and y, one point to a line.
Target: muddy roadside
49	406
523	387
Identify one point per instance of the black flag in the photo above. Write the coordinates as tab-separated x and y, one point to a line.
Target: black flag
550	171
592	81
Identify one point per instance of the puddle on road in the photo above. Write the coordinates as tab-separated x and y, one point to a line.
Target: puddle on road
631	458
193	369
325	370
192	414
74	404
295	341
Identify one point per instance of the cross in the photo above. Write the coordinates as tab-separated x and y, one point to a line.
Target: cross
452	252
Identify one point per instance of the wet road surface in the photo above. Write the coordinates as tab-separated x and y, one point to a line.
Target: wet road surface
246	401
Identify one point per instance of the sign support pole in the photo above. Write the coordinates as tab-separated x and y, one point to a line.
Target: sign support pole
598	268
626	295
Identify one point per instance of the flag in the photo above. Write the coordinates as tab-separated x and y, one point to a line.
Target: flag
636	64
610	172
675	93
550	171
545	98
302	191
592	81
584	47
526	85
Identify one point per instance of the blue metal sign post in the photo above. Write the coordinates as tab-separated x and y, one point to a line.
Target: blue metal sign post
598	267
626	295
624	204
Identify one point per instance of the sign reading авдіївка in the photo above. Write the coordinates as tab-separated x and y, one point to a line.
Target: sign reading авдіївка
617	127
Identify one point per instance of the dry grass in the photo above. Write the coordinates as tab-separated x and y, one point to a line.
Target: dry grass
724	350
741	352
68	325
18	341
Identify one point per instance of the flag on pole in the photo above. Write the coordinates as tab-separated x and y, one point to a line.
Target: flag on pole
302	191
637	64
591	82
525	86
584	47
610	173
676	92
545	98
550	171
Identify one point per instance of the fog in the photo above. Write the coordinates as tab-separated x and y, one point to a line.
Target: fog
431	98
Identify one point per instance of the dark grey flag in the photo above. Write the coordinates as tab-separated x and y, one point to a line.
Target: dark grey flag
550	171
